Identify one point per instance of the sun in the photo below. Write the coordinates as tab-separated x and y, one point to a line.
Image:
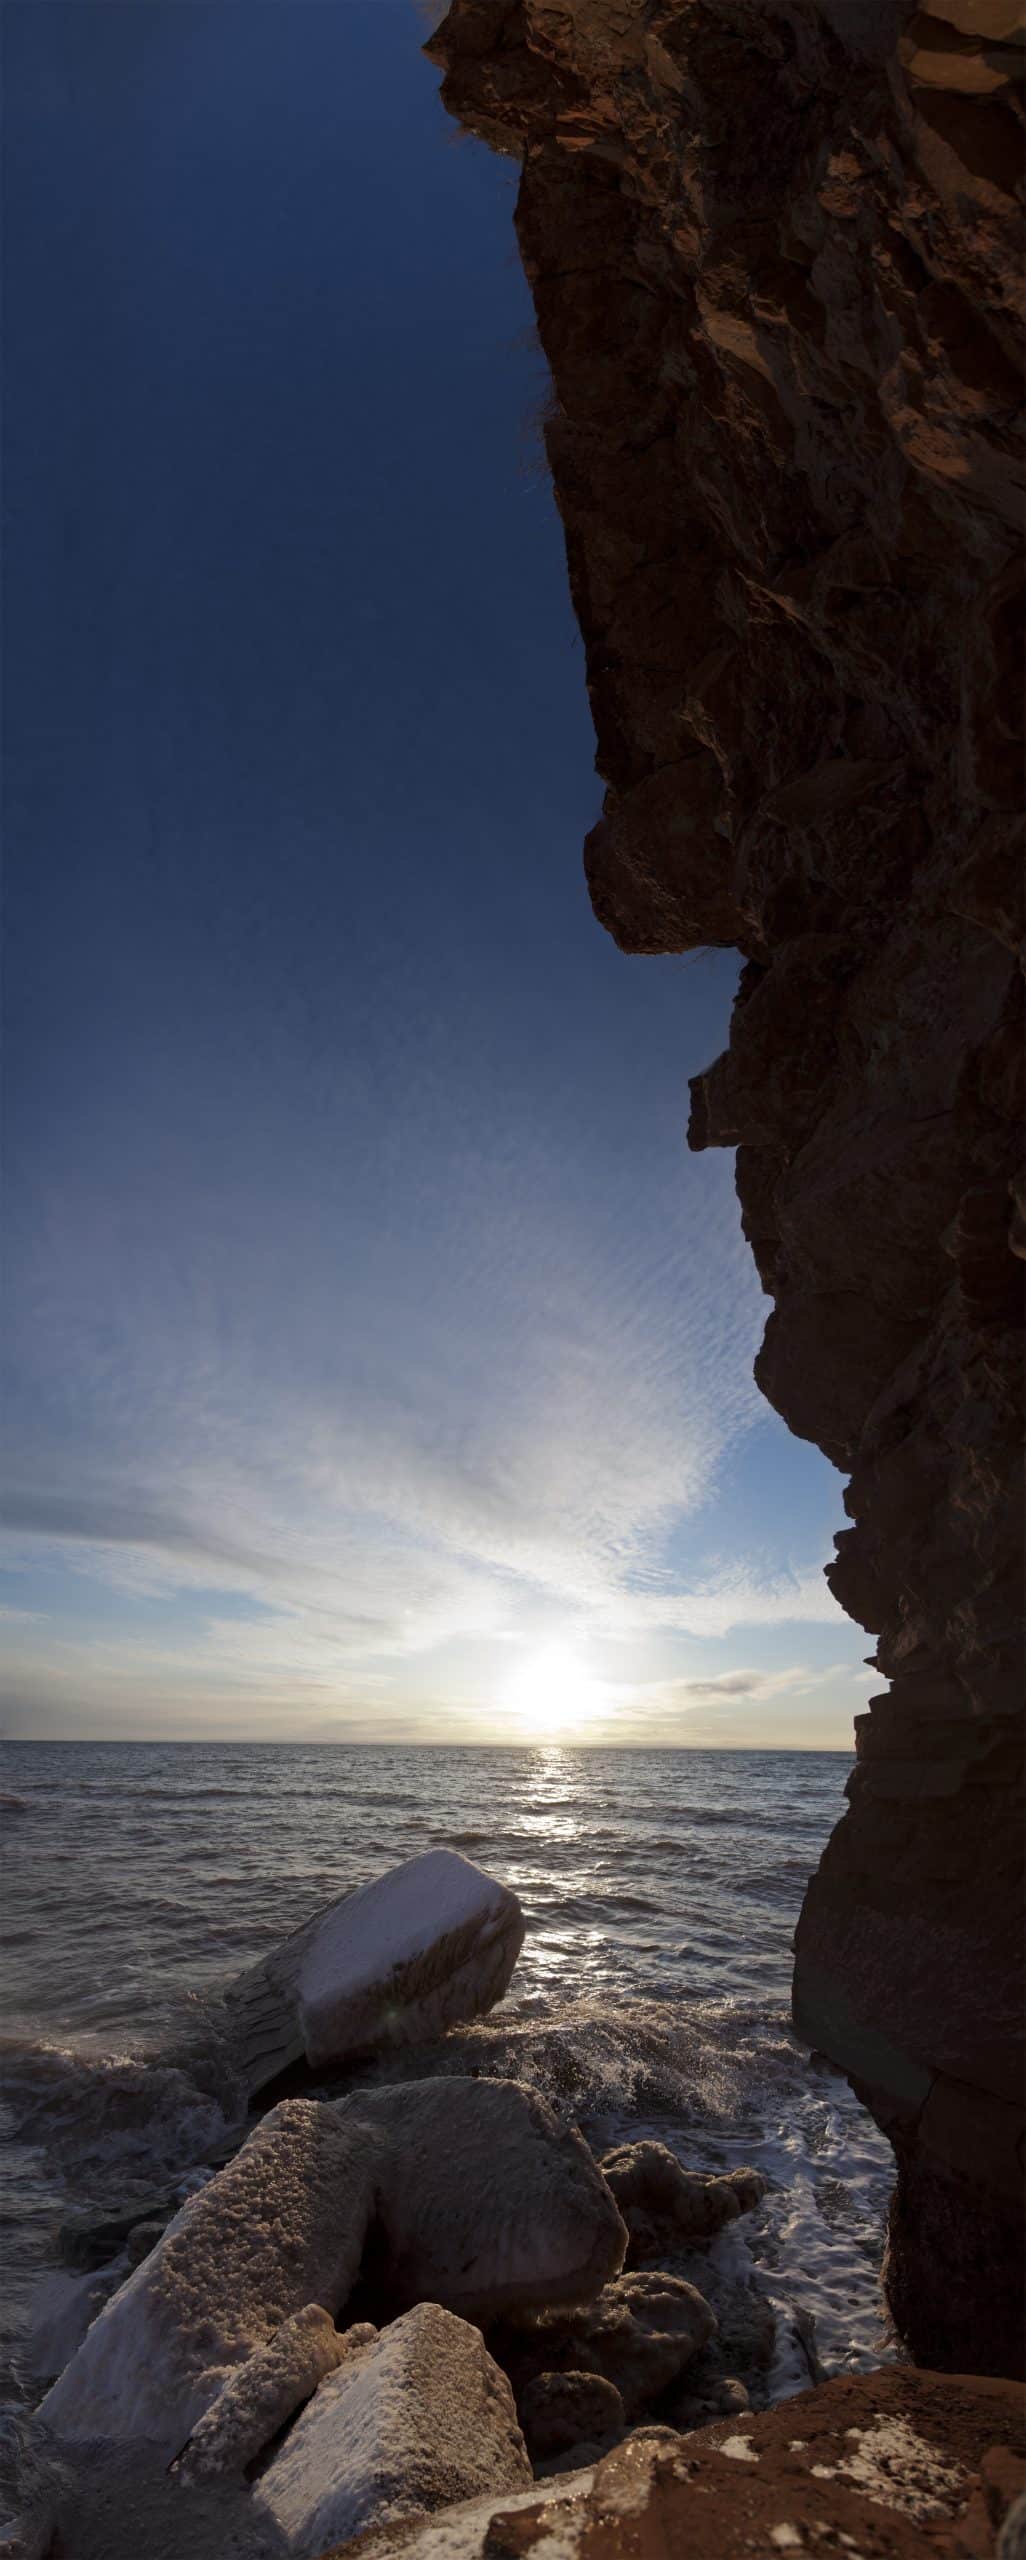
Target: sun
552	1694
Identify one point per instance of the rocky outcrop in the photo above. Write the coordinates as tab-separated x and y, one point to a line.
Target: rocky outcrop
666	2206
640	2334
774	252
560	2410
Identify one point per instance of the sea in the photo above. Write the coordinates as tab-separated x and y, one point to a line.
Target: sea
661	1890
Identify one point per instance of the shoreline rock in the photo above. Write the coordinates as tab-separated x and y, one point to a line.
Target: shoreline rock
431	1943
418	2419
640	2333
775	253
468	2193
260	2396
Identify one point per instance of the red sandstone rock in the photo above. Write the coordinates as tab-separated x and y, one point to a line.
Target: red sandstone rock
774	247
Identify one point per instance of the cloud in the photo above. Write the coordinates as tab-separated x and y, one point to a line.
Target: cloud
503	1447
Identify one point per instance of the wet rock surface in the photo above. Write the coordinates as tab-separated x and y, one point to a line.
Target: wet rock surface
639	2333
560	2410
666	2206
775	253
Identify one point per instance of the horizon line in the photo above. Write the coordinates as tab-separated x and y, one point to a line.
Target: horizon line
278	1742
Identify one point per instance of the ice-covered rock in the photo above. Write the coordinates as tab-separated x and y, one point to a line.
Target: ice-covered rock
664	2204
100	2501
477	2198
485	2201
432	1942
263	2393
281	2226
559	2410
63	2310
417	2420
641	2332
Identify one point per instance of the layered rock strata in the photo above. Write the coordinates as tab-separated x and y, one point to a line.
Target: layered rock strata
774	251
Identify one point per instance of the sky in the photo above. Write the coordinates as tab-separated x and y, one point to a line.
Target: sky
377	1360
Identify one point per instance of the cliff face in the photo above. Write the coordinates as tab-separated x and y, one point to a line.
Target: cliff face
773	248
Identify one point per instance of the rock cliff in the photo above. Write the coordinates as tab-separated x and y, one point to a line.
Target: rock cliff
773	246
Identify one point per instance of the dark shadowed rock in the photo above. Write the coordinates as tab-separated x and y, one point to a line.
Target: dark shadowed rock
775	253
558	2410
640	2332
665	2206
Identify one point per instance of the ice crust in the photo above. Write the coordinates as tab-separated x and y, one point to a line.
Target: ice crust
433	1941
416	1951
420	2419
477	2196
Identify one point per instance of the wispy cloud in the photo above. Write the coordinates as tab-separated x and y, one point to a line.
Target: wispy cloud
391	1488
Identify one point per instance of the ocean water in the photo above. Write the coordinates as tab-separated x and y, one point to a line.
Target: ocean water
661	1890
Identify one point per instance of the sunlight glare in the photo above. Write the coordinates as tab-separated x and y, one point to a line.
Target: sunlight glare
551	1694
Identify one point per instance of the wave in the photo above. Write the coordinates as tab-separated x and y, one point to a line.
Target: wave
709	2064
103	2116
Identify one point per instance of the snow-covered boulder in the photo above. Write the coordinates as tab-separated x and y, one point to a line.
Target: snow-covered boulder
414	2422
281	2226
63	2309
486	2202
478	2198
262	2394
432	1942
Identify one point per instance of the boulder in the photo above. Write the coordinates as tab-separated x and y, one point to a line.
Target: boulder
640	2333
465	2192
115	2502
485	2201
415	2421
746	2322
64	2307
262	2394
91	2240
558	2410
707	2390
143	2237
664	2204
432	1942
281	2226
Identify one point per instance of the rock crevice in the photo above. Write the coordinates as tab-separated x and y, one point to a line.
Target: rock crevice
774	248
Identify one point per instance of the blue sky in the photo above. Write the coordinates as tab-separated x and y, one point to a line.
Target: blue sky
378	1361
